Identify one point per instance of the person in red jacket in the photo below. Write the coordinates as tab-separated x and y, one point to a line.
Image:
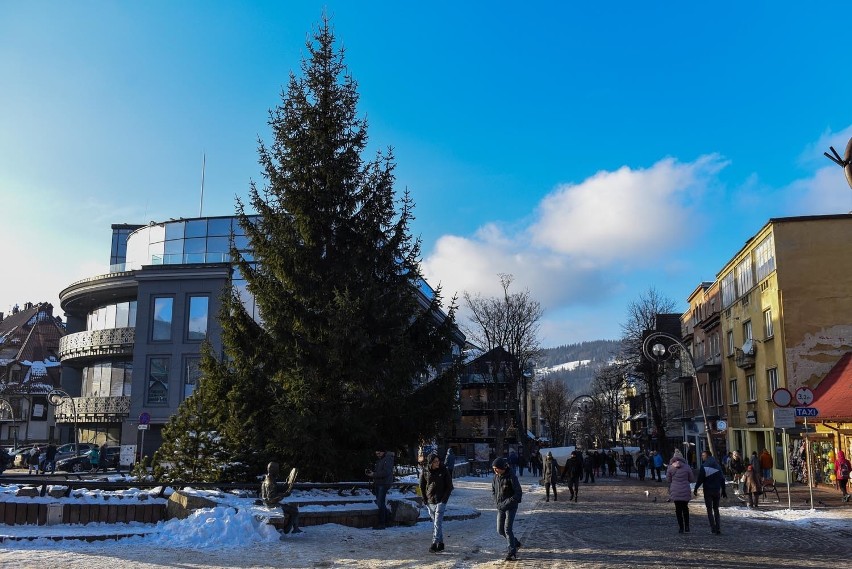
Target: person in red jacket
842	468
765	464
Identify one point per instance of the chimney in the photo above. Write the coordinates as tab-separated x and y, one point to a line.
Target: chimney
1	317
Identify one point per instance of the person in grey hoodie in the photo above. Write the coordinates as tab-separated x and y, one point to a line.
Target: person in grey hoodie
710	475
679	476
382	475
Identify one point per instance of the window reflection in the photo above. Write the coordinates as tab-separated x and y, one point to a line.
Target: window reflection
197	326
161	328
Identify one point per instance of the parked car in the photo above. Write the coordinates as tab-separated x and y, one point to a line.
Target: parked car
67	450
80	463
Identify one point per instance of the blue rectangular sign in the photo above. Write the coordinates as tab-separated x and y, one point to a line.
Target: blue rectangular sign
807	412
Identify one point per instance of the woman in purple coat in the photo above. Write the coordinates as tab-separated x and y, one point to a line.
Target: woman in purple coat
679	476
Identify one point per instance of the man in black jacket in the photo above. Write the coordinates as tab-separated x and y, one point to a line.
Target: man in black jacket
436	485
507	495
713	480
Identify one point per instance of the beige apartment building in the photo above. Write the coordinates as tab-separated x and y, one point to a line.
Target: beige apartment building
785	319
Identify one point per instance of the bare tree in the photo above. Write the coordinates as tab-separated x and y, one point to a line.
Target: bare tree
608	391
510	322
555	399
642	316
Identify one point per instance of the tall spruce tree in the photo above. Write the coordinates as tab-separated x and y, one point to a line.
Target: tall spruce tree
338	364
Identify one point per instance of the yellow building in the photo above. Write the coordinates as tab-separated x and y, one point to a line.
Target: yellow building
786	319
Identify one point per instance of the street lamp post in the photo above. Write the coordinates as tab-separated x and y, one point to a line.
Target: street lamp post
6	403
573	417
661	347
55	398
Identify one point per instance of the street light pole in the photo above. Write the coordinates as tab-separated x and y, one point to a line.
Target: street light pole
572	417
661	347
55	398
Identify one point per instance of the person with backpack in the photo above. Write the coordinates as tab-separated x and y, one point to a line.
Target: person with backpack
710	475
507	495
842	469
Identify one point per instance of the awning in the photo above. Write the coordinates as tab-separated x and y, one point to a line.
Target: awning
638	416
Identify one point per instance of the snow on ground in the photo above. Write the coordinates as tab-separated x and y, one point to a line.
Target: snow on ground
231	535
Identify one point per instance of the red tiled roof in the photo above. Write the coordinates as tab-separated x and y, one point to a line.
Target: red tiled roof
833	395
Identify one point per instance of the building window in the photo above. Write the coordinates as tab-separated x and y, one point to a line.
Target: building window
716	391
714	345
768	328
752	387
191	375
197	324
745	276
161	328
730	342
729	290
772	380
735	397
747	331
158	381
764	257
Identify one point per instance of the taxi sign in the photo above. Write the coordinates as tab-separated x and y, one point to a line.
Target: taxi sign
807	412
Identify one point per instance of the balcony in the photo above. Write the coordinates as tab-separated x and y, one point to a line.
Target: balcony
97	343
708	364
745	358
93	410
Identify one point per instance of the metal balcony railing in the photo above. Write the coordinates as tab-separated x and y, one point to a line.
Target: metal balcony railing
94	343
93	409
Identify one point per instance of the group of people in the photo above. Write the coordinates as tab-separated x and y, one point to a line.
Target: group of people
40	460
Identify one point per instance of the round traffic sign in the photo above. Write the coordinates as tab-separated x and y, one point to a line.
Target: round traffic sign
804	396
144	418
782	397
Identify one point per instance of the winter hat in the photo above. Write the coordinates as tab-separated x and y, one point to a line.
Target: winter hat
677	454
750	467
500	463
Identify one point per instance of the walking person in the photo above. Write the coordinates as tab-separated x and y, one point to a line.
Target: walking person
842	469
450	461
50	458
436	485
382	475
507	495
754	462
657	466
766	464
573	471
680	475
711	476
641	465
32	460
589	467
550	477
95	458
751	486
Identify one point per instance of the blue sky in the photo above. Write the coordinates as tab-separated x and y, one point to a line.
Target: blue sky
592	151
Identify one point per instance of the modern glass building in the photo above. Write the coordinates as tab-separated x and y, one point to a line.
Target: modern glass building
132	351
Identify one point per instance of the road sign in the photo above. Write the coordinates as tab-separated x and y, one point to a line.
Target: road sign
144	418
807	412
804	396
782	397
143	427
784	417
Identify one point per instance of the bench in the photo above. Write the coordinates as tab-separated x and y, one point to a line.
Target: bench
769	486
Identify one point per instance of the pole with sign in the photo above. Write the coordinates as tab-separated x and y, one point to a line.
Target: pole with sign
144	419
804	396
785	418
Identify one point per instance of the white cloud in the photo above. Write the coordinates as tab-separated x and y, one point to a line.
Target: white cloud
579	246
624	215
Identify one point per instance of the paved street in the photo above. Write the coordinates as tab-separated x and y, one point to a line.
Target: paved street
615	525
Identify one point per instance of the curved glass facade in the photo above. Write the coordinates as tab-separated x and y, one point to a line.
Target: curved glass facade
107	379
117	315
187	241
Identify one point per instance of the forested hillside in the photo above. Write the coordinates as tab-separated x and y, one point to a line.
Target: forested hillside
595	354
597	350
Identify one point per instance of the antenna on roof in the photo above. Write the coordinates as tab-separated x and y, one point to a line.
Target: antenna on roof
203	166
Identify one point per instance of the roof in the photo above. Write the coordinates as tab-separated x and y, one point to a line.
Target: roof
834	392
